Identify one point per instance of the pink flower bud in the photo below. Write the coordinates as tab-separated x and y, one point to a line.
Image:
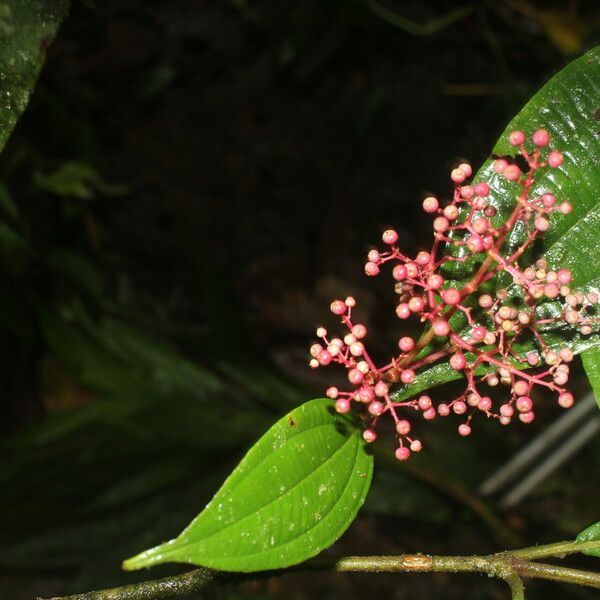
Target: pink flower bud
338	307
512	172
482	189
399	272
403	427
389	237
566	399
441	327
516	138
376	408
540	137
381	389
342	405
430	204
451	296
406	344
402	453
555	159
369	436
464	430
407	376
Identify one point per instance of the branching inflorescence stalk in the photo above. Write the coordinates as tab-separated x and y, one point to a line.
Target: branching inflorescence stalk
506	302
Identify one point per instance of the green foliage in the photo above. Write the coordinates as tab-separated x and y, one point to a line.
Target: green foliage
294	493
590	534
591	364
567	107
26	29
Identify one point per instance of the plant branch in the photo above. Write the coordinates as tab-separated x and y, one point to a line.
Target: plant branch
509	566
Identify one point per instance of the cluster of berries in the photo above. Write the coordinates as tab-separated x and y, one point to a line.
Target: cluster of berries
480	327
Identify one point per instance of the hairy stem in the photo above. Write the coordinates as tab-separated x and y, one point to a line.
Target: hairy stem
509	566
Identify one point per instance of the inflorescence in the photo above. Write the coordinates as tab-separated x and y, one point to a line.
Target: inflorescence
478	327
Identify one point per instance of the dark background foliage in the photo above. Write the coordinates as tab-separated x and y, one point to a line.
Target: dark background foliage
194	182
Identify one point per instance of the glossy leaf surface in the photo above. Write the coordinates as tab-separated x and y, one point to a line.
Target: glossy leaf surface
27	28
294	493
590	534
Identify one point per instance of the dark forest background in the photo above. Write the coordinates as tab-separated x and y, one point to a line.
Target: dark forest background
192	183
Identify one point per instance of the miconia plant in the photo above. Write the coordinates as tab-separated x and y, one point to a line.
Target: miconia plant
505	304
507	296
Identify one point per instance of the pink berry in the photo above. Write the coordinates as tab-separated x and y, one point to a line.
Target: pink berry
376	408
548	200
342	405
389	236
407	376
402	453
374	255
416	446
475	243
566	399
458	361
499	165
464	430
524	404
350	302
435	282
485	404
527	417
512	172
424	402
355	377
466	169
467	192
564	276
399	272
443	410
516	138
365	394
403	427
332	392
359	331
555	158
371	269
381	389
542	224
416	304
506	410
480	225
423	259
369	436
441	327
521	387
441	224
482	189
324	357
451	212
403	311
406	344
540	137
430	204
565	208
457	175
451	296
479	333
429	414
459	407
338	307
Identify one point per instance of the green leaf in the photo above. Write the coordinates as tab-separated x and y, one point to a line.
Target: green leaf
568	107
294	493
26	29
590	534
591	364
